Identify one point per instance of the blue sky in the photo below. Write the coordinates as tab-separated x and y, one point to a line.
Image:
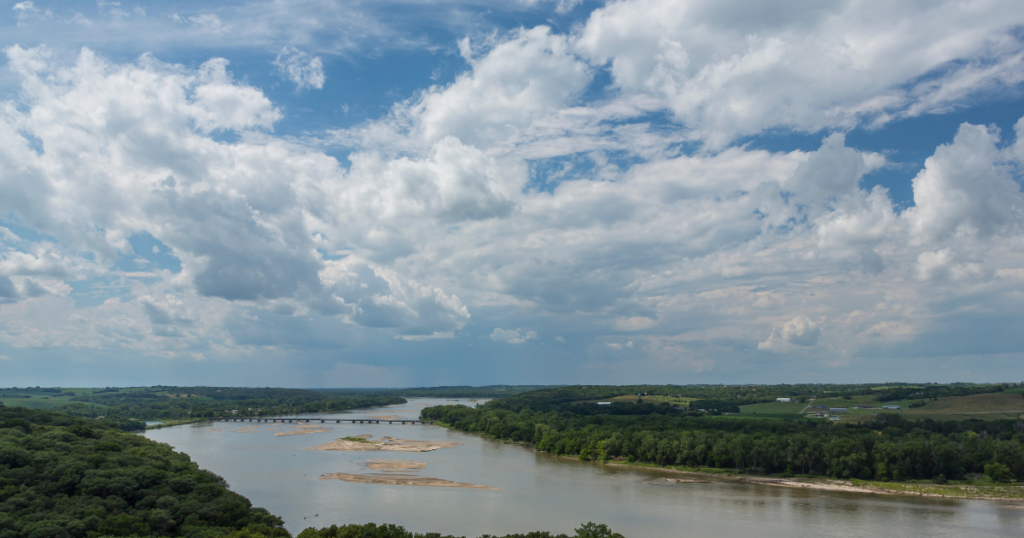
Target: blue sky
423	193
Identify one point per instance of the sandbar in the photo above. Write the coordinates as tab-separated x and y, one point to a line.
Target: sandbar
385	443
301	432
395	465
401	481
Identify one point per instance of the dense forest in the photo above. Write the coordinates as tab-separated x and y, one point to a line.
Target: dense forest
890	448
68	477
198	402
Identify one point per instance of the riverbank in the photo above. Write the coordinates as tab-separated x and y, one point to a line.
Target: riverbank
951	491
967	491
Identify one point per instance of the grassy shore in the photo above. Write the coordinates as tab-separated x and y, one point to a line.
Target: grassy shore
1009	492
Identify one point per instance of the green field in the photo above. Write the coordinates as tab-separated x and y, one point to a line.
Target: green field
771	410
38	399
998	405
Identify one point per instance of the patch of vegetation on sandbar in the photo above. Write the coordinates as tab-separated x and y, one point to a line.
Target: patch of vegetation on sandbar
356	439
961	491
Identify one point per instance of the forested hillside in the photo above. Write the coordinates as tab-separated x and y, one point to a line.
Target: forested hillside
888	448
169	403
66	477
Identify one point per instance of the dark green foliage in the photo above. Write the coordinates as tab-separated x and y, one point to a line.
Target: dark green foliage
935	391
67	477
998	472
370	530
716	406
125	406
890	448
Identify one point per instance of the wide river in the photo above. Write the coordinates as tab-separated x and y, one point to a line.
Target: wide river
542	492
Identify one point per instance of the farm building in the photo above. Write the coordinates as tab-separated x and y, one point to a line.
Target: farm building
784	400
896	407
837	410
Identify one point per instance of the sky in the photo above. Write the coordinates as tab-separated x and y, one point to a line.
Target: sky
419	193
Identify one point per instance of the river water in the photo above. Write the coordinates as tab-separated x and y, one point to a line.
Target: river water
542	492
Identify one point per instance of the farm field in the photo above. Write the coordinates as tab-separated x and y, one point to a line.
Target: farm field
49	399
777	410
991	406
653	398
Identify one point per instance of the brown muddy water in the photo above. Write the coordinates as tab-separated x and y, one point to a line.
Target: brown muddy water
542	492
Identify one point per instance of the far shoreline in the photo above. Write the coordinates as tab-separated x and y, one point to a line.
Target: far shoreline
908	489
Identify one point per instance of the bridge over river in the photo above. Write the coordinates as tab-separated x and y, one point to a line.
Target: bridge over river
323	420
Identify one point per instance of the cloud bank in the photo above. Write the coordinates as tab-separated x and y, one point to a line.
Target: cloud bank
615	216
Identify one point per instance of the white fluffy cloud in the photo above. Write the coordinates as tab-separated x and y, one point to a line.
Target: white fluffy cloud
799	331
517	336
965	189
511	197
730	68
302	68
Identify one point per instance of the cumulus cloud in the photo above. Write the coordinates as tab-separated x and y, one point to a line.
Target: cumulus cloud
729	69
511	195
302	68
517	336
799	331
965	188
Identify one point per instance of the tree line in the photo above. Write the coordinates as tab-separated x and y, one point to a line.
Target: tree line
890	448
206	402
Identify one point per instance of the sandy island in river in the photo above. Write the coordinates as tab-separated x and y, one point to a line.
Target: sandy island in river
401	481
302	432
395	465
385	443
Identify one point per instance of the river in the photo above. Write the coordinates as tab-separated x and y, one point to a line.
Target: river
538	491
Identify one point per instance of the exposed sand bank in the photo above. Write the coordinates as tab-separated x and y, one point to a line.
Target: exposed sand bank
302	432
688	481
385	443
401	481
395	465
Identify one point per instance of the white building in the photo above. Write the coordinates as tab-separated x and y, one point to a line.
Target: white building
784	400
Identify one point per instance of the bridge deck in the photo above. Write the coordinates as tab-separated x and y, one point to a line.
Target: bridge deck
322	420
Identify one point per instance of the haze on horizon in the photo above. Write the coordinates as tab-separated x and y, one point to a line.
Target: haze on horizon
388	193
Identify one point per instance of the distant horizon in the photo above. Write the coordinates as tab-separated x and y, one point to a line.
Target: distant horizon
881	383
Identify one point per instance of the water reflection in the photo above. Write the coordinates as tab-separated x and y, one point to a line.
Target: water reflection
544	492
